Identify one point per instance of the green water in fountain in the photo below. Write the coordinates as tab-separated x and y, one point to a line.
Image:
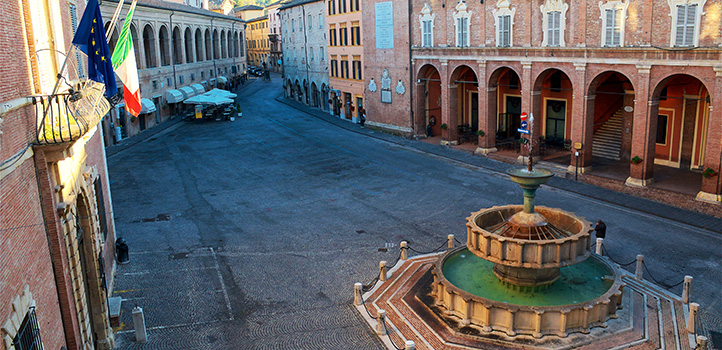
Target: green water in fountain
578	283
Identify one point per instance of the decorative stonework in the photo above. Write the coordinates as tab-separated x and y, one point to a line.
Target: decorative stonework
462	19
21	305
504	10
400	89
697	20
554	6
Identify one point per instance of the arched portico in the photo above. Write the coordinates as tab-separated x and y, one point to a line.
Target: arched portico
503	104
463	107
149	47
428	110
552	97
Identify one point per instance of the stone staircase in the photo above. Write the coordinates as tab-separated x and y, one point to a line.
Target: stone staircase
607	140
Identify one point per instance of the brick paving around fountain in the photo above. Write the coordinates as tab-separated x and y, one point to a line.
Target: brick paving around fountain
651	317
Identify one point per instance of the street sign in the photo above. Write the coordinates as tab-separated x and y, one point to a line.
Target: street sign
523	127
524	124
523	131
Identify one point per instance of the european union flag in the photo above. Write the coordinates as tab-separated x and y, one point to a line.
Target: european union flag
90	38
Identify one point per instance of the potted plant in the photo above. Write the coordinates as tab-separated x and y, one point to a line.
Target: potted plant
636	160
133	118
480	133
444	126
709	172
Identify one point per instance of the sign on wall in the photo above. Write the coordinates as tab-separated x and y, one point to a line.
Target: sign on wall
385	25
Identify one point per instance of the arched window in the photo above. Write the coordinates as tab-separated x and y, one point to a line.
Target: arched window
199	46
164	42
224	49
149	47
229	45
177	47
209	45
235	44
240	45
188	37
427	26
216	45
136	46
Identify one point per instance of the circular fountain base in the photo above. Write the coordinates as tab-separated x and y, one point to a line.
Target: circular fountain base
526	279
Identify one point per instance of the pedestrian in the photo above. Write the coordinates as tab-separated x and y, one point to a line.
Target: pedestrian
600	229
363	117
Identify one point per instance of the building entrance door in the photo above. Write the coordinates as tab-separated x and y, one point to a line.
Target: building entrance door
555	122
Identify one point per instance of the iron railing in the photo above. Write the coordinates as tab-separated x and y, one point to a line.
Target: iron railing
28	337
65	117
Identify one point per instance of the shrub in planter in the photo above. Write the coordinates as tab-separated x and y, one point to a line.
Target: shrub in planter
444	126
709	172
480	133
636	160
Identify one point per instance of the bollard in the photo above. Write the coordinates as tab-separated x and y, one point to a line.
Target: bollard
692	317
357	300
382	272
139	324
600	242
410	345
686	289
640	266
701	343
380	326
404	247
451	241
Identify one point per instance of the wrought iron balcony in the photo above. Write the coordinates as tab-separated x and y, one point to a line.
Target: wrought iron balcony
67	116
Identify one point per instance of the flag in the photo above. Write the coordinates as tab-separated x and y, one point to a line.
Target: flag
90	38
124	64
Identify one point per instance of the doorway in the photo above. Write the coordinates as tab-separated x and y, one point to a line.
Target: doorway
556	112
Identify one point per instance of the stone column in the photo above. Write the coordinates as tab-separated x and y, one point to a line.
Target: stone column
582	115
419	106
527	97
453	121
711	190
645	129
445	102
486	124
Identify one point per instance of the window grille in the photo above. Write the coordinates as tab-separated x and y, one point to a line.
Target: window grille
28	337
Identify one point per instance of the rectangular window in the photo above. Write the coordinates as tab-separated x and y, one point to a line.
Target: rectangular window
320	20
613	29
504	31
462	32
554	29
180	79
356	5
28	336
293	25
74	23
662	129
355	33
686	25
341	6
426	34
334	66
100	204
343	34
357	68
321	55
344	68
331	7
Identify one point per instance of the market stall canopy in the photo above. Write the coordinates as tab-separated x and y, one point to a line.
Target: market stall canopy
199	88
188	92
222	80
173	96
146	106
210	98
222	93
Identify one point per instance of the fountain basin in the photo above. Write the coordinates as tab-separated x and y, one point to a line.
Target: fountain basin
562	240
584	296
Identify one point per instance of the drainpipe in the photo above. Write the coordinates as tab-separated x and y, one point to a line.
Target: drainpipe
305	49
213	54
412	86
175	85
233	31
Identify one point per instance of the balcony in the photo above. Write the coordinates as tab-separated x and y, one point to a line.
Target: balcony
66	117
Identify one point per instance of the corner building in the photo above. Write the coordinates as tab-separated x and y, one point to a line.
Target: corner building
345	50
633	81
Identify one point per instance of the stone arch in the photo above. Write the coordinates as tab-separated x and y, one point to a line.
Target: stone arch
314	95
200	56
463	118
428	117
149	46
224	48
216	45
552	96
208	45
164	45
241	43
503	107
235	44
136	46
188	38
113	37
229	45
177	46
324	97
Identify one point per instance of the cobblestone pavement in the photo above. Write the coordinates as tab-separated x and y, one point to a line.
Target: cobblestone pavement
250	234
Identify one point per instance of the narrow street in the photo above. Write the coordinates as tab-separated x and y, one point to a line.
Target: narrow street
250	234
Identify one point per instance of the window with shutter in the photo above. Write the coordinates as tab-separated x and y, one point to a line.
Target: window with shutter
505	31
74	23
427	26
504	15
462	17
686	16
554	30
554	22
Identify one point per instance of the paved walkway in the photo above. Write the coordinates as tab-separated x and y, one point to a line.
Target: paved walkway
644	205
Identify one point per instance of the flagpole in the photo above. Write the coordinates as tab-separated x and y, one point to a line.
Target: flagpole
115	18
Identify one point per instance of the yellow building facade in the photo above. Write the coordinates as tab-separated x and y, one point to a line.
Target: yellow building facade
345	50
257	42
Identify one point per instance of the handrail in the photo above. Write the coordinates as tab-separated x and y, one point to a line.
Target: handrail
611	106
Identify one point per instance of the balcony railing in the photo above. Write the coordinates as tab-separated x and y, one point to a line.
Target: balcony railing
65	117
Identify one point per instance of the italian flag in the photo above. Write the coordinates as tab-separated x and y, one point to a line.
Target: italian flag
124	65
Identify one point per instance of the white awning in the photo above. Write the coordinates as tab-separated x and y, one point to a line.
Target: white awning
213	81
204	83
188	92
173	96
222	80
146	106
222	93
199	88
213	97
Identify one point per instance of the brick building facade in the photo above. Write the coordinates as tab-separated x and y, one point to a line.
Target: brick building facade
56	219
305	63
634	81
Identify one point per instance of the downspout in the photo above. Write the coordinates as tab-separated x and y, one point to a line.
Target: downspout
175	85
213	53
412	87
233	30
305	49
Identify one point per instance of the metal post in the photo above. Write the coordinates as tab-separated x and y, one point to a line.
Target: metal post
139	325
404	248
686	289
357	299
451	241
640	265
600	242
692	317
410	345
381	319
382	272
576	168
